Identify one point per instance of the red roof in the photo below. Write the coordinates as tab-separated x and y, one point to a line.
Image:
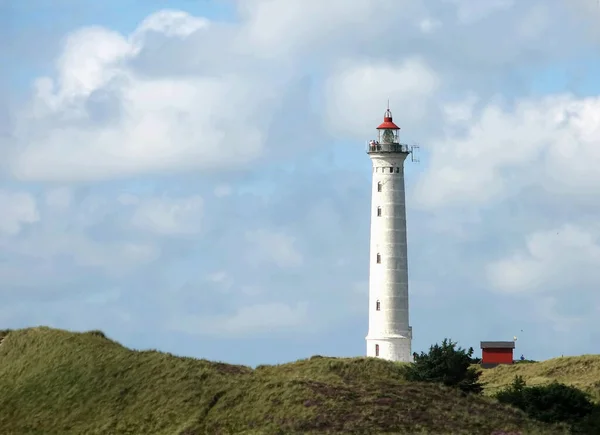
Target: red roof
387	122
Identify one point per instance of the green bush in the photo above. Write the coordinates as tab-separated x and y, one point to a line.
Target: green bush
590	424
4	333
97	333
553	403
446	364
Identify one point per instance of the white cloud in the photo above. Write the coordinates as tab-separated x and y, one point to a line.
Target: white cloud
460	112
548	309
91	57
272	247
252	319
123	104
586	14
73	237
548	142
113	258
101	119
357	94
280	29
168	216
222	190
59	198
469	11
222	279
18	209
171	23
181	93
428	25
560	260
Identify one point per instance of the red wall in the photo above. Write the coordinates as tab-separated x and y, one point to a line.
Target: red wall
497	356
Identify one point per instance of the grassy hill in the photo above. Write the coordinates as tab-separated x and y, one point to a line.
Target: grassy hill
59	382
582	372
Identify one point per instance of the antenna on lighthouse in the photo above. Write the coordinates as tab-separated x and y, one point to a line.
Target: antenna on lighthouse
414	158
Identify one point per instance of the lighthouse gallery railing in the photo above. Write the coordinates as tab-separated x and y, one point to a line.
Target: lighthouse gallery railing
388	148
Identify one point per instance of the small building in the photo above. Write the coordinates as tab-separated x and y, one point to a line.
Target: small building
496	352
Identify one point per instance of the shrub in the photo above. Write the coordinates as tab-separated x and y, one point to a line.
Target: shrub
97	333
590	424
553	403
525	361
446	364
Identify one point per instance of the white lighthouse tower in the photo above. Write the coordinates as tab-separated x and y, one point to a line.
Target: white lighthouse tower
389	335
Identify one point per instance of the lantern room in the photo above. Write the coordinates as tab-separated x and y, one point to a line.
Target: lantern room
388	131
388	138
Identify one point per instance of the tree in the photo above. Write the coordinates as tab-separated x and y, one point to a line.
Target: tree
552	403
446	364
588	424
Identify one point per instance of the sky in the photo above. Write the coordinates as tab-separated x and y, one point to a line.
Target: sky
191	176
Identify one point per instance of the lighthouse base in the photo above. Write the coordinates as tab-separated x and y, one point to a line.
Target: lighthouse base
391	349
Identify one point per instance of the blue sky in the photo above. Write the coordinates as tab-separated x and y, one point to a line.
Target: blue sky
191	175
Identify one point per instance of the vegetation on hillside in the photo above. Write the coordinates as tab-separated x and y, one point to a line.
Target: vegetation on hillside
446	364
3	333
554	403
582	372
58	382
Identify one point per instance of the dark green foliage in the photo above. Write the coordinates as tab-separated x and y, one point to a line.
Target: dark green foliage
446	364
514	395
590	424
582	372
4	333
97	333
553	403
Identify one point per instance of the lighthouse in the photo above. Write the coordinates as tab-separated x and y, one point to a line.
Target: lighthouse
389	336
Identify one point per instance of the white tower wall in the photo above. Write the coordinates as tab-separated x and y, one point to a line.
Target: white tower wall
389	329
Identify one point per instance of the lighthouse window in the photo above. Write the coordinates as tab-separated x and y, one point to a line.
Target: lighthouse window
379	211
378	258
379	186
377	306
391	170
376	350
397	170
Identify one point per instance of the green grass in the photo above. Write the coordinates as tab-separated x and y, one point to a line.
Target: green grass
582	372
59	382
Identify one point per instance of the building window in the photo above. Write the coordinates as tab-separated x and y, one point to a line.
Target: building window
379	186
391	170
377	306
376	350
378	258
378	211
398	170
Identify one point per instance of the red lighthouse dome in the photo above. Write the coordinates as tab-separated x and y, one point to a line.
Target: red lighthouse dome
388	123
